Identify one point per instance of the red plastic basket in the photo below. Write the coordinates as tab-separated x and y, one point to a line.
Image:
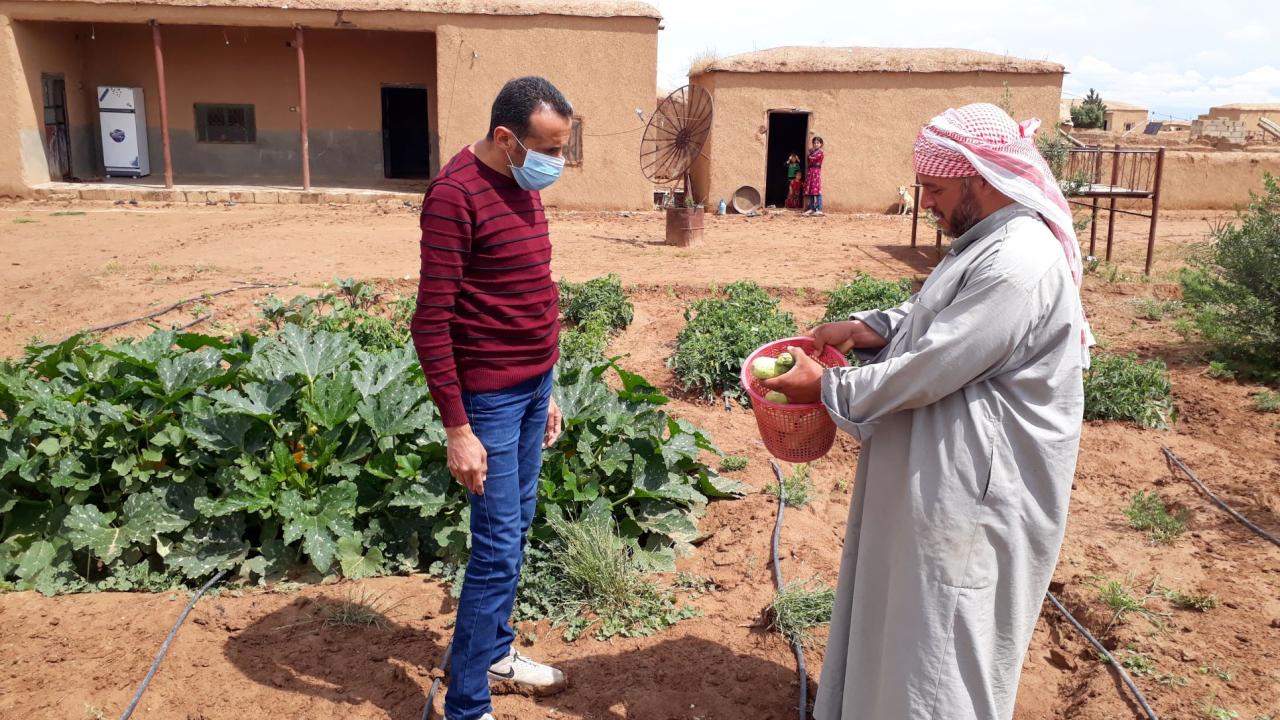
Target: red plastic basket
795	432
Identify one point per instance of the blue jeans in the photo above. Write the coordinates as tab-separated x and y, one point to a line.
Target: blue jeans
510	424
815	203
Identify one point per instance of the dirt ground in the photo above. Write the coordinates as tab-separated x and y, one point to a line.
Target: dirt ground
260	654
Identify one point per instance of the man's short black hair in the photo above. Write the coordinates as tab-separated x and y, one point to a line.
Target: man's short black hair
520	99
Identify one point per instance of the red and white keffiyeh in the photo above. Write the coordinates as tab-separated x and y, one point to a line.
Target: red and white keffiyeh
981	139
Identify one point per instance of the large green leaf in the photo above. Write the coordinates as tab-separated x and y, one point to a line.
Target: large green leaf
88	527
355	562
259	400
209	546
376	372
397	410
310	355
182	374
333	400
319	521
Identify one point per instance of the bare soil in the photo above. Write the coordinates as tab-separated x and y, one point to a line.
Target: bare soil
254	653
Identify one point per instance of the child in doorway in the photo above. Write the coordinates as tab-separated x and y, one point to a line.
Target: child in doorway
795	183
813	180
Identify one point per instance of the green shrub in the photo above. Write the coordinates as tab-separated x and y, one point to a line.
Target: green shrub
1236	288
1149	514
720	333
599	299
587	341
866	293
1123	388
182	454
592	312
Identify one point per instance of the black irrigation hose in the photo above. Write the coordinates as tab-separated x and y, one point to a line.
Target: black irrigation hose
174	306
1142	700
796	646
1173	460
435	684
164	648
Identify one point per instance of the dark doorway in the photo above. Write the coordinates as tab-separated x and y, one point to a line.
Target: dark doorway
788	132
406	151
57	140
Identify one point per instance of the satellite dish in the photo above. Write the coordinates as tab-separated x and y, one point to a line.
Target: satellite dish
675	135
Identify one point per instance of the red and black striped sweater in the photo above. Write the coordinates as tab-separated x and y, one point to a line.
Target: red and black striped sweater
488	312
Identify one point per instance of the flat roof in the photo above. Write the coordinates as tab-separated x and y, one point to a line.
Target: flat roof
872	59
579	8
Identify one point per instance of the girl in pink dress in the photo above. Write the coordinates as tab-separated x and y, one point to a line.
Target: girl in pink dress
813	180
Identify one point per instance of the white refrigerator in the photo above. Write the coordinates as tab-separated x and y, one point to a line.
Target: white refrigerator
123	117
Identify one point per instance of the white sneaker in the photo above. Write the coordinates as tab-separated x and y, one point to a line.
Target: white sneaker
807	213
819	213
526	674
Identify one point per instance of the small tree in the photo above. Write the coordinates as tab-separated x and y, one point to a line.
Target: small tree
1091	114
1236	293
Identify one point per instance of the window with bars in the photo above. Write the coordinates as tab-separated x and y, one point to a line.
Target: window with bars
222	123
573	151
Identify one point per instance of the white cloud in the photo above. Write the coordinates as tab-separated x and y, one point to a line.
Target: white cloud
1253	32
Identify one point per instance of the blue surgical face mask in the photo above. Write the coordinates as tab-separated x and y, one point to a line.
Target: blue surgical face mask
539	170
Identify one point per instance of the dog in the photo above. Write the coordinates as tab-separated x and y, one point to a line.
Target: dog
906	203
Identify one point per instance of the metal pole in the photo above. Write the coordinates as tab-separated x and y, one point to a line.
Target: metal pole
1155	210
1093	224
915	216
1111	216
303	120
164	105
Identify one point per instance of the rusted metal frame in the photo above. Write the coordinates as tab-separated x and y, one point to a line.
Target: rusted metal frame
1111	217
1155	210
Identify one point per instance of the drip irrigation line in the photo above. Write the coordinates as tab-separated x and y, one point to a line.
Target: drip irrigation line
197	321
1173	460
796	646
439	672
178	304
164	648
1142	700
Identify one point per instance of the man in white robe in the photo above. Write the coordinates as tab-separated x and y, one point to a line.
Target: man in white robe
969	416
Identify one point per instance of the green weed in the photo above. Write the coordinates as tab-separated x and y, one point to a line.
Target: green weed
797	488
799	607
1118	387
360	608
1149	514
1203	602
601	582
1120	599
1153	309
1220	371
734	463
1267	402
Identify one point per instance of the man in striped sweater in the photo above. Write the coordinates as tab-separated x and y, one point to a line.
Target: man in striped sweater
486	330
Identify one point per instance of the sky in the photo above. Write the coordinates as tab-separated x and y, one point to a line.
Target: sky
1177	58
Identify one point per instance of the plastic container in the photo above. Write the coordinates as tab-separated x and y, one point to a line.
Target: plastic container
795	432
